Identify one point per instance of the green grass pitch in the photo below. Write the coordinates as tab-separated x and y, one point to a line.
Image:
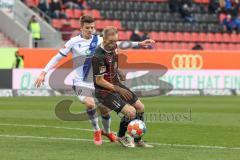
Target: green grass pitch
29	130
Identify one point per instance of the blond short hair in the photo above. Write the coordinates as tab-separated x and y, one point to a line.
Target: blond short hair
109	30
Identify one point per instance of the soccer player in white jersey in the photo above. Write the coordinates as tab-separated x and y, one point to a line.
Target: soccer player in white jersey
83	45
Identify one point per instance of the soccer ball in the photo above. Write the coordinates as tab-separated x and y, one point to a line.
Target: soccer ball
136	128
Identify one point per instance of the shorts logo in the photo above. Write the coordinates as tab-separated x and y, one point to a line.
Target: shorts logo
117	105
102	69
187	61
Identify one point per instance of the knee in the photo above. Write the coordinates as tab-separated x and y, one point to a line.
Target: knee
90	104
132	114
140	107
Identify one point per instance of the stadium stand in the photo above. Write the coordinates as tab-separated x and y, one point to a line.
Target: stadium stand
172	29
5	41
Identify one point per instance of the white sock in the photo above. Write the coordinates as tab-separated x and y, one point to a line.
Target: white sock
106	122
93	117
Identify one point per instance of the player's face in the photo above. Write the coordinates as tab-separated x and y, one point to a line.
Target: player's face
110	42
87	30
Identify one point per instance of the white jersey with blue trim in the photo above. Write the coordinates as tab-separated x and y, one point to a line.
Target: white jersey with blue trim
80	49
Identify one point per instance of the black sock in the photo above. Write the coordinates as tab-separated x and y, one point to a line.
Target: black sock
123	126
140	117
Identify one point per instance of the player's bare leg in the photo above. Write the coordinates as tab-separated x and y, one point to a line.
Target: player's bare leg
139	106
129	113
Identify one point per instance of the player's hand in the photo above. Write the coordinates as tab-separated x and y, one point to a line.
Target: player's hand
125	93
146	43
40	80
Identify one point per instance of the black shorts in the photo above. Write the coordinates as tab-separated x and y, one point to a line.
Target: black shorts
113	100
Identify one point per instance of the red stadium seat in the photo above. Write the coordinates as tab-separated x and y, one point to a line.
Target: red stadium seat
238	47
101	24
216	46
191	45
234	37
96	14
75	24
154	35
56	23
211	37
77	13
163	36
171	36
108	23
226	37
87	12
178	37
219	37
205	1
69	13
32	3
232	46
98	24
176	46
129	33
224	46
117	24
202	37
185	46
160	45
208	46
195	37
167	46
187	37
123	35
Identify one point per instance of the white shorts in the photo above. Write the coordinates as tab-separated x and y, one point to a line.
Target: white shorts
83	89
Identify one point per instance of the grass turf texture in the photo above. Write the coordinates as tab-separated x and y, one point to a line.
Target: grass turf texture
214	122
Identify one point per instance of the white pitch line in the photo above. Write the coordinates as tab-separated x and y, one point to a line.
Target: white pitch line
89	140
195	146
44	126
49	138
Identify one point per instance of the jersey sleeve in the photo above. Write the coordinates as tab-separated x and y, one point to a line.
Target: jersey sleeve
98	65
100	40
127	44
52	62
67	48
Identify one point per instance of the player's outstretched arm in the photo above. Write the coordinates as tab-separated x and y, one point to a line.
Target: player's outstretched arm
143	44
146	43
52	63
41	78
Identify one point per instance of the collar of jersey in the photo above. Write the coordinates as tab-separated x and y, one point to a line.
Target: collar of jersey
84	38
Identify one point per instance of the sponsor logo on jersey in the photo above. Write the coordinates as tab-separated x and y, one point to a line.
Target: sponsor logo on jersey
102	69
